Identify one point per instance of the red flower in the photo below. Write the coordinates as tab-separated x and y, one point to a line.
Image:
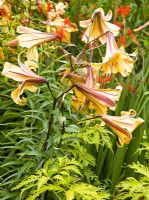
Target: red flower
49	6
129	32
118	24
124	11
108	78
40	8
67	22
122	40
129	87
60	33
104	80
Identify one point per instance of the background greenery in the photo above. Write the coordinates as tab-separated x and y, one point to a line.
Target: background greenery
82	160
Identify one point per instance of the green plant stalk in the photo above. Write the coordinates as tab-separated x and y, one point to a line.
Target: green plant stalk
117	166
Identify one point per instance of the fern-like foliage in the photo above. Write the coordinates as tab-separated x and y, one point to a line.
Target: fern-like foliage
62	176
133	188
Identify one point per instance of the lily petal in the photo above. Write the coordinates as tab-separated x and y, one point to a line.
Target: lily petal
31	37
123	125
101	98
116	60
98	25
15	95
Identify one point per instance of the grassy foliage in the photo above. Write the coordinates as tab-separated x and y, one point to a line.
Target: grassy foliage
80	159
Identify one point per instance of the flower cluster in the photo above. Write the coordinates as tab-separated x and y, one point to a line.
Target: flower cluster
90	88
124	11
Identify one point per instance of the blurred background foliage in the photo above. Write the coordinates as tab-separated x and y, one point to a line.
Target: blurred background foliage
92	159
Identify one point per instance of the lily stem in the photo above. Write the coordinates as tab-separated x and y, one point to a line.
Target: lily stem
49	88
51	119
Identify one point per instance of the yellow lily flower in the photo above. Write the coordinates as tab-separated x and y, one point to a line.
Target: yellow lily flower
88	93
116	59
63	27
24	75
123	125
98	25
31	37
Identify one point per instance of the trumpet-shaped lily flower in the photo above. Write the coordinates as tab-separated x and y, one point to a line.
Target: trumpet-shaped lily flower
31	37
98	25
24	75
116	59
88	92
123	125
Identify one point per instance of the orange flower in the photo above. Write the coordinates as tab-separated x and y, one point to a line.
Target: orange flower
98	25
124	11
131	88
24	75
49	6
129	31
122	40
102	80
123	125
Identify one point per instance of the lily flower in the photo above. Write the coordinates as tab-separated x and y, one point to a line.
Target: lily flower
123	125
24	75
62	27
31	37
98	25
116	59
88	93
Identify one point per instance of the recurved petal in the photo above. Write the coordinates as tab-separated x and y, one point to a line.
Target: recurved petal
32	54
85	23
108	16
31	64
19	91
112	28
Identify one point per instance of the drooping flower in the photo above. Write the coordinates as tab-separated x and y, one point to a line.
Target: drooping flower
24	75
123	125
30	37
98	25
116	59
89	95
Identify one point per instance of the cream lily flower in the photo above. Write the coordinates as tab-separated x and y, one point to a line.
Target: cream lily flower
60	8
31	37
88	92
115	60
24	75
98	25
123	125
